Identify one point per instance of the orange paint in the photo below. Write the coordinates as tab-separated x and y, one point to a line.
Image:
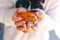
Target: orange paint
29	17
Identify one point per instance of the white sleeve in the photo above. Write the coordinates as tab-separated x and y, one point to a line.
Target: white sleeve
6	6
47	23
7	16
7	3
1	17
52	14
9	28
52	9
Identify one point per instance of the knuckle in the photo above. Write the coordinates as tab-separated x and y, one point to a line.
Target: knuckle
20	23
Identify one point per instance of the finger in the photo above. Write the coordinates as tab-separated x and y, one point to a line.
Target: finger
26	30
29	27
39	15
34	28
20	23
20	28
15	18
24	25
21	9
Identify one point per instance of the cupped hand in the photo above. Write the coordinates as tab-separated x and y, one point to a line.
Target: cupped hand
21	25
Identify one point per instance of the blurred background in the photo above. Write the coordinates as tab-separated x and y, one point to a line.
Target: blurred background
1	31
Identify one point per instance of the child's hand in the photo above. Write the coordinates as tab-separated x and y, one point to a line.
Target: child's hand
21	25
18	21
